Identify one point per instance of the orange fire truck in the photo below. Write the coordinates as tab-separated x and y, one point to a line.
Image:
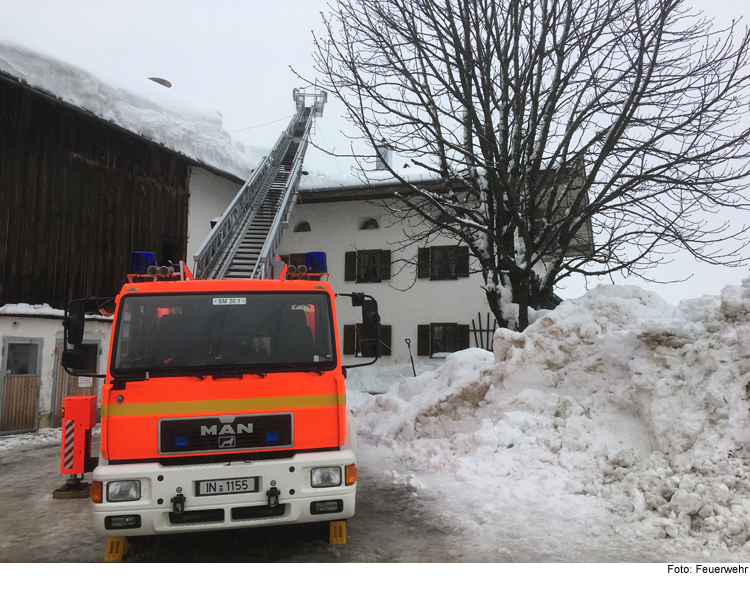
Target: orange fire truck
224	404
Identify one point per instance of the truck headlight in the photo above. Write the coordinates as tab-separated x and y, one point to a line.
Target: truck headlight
123	490
324	477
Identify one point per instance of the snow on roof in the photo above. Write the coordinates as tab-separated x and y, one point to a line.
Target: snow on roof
137	105
319	181
41	311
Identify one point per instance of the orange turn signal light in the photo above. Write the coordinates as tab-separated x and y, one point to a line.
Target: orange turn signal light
96	491
351	474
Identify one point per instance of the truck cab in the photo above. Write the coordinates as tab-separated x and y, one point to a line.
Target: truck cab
224	406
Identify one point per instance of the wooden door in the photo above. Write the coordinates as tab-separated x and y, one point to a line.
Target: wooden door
21	370
67	385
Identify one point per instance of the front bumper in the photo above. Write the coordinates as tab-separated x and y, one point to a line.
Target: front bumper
160	485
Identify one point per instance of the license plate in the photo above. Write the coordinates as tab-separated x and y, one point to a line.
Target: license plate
226	486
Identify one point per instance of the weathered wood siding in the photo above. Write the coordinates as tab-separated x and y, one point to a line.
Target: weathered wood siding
77	197
19	403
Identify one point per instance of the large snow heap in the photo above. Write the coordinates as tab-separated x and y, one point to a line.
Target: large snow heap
617	399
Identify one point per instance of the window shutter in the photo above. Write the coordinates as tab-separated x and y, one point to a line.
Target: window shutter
463	337
350	266
462	261
385	339
385	265
423	340
423	263
350	333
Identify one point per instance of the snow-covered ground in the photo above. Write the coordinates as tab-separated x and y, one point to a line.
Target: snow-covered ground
614	428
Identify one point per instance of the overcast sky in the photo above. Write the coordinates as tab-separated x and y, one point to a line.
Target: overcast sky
235	56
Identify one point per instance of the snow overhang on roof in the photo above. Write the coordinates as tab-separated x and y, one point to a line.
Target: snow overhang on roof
142	107
321	187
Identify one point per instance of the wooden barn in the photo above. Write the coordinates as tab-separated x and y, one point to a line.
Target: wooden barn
78	194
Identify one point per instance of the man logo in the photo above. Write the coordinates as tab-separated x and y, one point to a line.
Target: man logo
230	441
226	429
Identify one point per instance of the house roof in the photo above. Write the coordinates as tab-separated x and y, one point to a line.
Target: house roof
320	187
145	108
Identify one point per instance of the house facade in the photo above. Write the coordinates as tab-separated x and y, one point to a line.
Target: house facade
437	305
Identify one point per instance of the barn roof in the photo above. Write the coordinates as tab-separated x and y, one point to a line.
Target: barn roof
142	107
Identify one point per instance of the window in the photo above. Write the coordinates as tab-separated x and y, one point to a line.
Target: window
353	338
205	333
440	338
303	227
443	262
367	266
369	224
22	359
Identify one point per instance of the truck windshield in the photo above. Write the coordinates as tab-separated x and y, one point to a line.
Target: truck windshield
263	332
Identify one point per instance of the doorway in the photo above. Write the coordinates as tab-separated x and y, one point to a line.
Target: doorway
19	393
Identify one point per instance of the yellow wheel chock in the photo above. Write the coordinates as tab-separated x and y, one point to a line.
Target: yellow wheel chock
338	532
117	547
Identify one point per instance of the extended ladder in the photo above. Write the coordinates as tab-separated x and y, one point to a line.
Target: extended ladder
245	241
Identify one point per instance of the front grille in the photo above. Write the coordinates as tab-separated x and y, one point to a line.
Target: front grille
209	434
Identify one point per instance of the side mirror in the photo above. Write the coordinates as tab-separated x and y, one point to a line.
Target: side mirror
73	323
370	344
73	359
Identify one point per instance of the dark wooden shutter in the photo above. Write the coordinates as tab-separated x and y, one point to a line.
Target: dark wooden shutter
462	340
462	261
385	339
423	339
423	263
350	266
385	265
350	333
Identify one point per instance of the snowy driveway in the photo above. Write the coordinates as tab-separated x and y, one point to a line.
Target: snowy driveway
390	525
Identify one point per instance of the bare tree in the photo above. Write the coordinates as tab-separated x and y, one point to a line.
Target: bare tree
547	122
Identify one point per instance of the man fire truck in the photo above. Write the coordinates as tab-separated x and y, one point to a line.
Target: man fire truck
224	404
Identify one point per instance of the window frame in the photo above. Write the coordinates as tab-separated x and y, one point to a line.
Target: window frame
434	264
354	266
427	265
426	338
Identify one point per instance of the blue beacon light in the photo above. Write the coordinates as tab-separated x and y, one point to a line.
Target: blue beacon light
316	262
141	261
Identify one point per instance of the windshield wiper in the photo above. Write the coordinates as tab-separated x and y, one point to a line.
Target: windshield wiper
302	368
234	371
137	375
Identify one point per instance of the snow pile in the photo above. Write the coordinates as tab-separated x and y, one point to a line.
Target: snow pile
613	405
137	105
40	438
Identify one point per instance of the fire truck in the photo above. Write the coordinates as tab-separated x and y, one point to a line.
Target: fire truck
224	399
